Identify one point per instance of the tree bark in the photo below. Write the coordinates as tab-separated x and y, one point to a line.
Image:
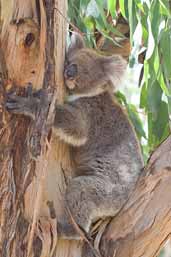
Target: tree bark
33	45
144	225
31	191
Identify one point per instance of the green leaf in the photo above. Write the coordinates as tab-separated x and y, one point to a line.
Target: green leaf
154	95
102	12
155	18
156	61
146	71
143	96
165	48
134	117
162	83
122	8
169	105
89	23
84	3
101	28
139	5
143	20
112	7
100	24
131	19
121	98
110	28
160	126
164	7
151	41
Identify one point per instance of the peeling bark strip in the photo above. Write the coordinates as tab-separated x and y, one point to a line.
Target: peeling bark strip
16	168
49	79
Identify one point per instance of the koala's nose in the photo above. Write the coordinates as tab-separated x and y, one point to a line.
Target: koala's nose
71	71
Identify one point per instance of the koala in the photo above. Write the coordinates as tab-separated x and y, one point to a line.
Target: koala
103	144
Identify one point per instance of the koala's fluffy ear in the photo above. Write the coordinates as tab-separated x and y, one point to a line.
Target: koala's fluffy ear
77	43
114	68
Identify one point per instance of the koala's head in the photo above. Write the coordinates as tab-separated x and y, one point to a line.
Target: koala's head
89	73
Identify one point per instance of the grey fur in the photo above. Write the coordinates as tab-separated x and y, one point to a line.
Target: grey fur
108	162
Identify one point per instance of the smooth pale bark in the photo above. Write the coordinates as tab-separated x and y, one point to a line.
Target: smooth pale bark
31	192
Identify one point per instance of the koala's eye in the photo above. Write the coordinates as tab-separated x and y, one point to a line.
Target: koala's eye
71	71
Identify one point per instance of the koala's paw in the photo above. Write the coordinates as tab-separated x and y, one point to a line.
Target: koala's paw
67	231
22	105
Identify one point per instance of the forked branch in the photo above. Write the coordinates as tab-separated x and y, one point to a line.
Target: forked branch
144	224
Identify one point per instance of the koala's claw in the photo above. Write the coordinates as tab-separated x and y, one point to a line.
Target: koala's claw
22	105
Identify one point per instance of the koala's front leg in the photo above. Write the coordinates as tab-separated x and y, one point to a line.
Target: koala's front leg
22	105
71	124
27	106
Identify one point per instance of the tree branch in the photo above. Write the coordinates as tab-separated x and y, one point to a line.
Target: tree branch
144	224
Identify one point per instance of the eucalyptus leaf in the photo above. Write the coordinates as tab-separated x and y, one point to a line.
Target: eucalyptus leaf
134	117
112	7
165	48
122	7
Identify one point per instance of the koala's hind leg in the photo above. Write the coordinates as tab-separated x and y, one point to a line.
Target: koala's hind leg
88	198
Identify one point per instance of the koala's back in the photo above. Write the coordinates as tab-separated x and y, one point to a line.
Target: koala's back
112	149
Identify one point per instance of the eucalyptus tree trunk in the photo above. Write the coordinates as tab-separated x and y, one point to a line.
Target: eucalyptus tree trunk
31	190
